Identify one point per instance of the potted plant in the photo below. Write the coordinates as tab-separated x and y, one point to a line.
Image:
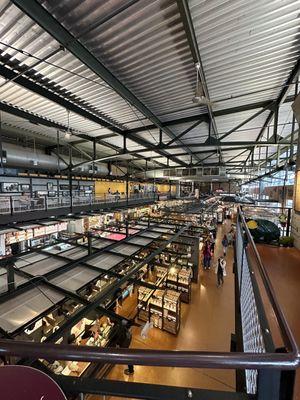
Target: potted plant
286	241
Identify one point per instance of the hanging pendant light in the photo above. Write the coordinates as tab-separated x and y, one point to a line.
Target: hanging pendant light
199	97
68	133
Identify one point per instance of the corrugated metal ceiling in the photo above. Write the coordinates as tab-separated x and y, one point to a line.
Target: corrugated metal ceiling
248	50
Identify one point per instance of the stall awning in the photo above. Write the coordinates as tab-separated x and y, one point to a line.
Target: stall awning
75	278
149	234
75	254
19	280
105	261
163	230
126	249
140	241
170	226
24	307
100	243
29	259
44	266
59	248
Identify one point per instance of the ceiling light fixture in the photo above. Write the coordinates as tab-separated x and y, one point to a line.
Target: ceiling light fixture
68	133
199	97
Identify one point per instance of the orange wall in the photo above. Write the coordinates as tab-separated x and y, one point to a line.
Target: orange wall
101	188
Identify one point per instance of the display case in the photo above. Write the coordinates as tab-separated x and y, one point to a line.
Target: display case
171	311
96	333
161	307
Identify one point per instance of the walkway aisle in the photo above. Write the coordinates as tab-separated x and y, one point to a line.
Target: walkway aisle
283	266
206	324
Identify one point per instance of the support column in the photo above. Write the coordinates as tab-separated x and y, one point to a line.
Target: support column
10	277
127	189
70	179
295	231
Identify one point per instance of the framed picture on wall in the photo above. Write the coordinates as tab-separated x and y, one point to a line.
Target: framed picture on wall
10	187
24	187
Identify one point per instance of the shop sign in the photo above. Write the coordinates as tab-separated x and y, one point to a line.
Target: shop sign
39	231
51	229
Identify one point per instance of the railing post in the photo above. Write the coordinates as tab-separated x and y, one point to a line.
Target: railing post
11	205
268	384
89	244
288	222
10	276
126	225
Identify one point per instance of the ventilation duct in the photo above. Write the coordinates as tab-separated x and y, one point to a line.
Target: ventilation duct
25	157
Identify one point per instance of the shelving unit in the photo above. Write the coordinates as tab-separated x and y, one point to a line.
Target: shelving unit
171	311
161	307
180	279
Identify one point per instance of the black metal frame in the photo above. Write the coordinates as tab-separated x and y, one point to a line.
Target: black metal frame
269	364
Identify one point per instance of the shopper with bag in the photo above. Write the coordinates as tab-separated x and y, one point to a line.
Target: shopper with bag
124	340
220	271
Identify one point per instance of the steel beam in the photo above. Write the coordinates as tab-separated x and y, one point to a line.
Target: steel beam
183	8
217	113
243	123
184	133
43	18
134	390
231	144
111	287
281	98
69	105
35	119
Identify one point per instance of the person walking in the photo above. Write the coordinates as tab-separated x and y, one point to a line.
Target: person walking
206	255
225	244
229	238
124	340
212	243
220	271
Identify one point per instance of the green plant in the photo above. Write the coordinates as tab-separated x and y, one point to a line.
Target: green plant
286	241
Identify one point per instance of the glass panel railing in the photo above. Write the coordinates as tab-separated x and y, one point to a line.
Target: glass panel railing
58	202
24	203
5	205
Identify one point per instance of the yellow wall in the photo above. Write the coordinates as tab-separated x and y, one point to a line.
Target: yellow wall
162	188
101	188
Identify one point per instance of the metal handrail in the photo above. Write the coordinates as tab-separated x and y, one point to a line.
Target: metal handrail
287	334
187	359
168	358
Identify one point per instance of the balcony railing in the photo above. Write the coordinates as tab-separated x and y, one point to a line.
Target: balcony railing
5	205
267	370
21	204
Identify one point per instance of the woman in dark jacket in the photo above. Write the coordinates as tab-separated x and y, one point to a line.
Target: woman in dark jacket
124	340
